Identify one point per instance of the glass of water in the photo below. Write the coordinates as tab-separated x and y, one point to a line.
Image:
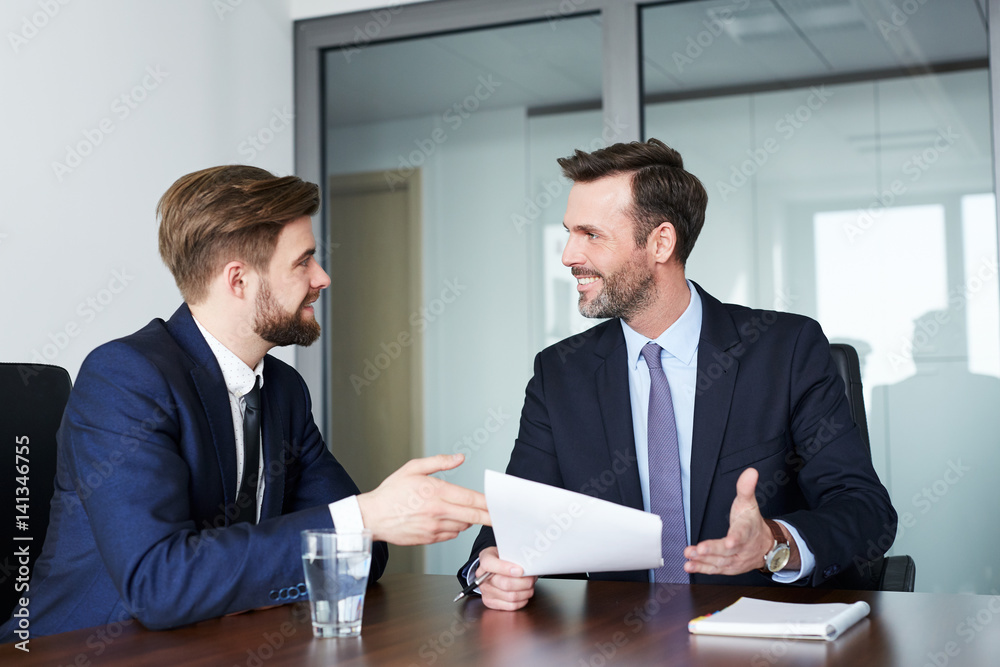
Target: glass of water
336	567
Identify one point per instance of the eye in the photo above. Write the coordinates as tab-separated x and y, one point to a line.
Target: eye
306	261
592	236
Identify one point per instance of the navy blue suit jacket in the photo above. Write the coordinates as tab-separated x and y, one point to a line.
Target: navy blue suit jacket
146	486
768	396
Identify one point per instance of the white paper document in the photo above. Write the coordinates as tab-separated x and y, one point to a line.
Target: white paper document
547	530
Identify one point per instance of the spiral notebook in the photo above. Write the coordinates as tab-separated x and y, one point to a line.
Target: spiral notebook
749	617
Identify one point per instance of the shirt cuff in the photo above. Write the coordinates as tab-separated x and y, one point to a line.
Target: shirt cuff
469	573
346	515
808	560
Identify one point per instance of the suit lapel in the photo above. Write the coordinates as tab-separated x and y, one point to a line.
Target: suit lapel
272	429
611	379
214	396
717	371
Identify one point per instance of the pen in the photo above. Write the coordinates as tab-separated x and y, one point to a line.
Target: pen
473	586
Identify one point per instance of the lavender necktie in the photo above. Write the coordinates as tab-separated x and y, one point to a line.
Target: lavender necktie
665	471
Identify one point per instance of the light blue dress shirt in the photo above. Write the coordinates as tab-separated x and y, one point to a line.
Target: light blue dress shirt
680	363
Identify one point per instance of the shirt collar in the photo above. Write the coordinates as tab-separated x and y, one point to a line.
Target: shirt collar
238	376
680	340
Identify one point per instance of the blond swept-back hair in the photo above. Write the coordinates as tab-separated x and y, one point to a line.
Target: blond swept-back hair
211	217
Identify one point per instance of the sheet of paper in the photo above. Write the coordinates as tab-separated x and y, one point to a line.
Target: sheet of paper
547	530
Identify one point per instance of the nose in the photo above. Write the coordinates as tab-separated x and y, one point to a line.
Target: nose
571	255
320	278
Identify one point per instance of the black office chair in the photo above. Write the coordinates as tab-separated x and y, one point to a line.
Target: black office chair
892	573
32	400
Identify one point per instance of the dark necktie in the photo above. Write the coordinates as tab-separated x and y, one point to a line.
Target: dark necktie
665	497
246	501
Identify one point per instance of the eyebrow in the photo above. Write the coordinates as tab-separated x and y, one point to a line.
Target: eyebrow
308	253
584	227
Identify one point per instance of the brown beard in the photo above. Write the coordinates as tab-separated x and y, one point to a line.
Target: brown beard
276	326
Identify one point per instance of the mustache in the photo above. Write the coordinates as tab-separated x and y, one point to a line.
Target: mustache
580	272
310	298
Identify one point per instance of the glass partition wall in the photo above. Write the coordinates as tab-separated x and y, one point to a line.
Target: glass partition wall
846	146
463	118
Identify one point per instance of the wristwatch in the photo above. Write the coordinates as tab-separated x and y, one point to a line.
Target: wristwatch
780	552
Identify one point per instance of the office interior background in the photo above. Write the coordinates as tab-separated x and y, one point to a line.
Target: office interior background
846	146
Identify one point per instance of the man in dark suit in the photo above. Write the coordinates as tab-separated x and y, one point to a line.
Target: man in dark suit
188	461
736	416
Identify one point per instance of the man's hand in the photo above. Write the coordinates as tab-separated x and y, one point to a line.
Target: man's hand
748	540
507	589
409	507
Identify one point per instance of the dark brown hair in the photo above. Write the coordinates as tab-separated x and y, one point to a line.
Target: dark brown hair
662	191
211	217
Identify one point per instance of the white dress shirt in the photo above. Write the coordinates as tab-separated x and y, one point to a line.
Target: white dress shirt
240	378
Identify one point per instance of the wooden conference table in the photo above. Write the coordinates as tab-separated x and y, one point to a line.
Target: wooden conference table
411	621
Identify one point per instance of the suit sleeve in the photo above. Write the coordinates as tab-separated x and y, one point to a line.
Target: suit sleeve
122	433
849	508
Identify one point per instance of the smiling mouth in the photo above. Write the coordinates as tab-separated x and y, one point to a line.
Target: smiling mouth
586	280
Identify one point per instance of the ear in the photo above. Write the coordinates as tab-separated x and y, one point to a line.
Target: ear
662	242
236	277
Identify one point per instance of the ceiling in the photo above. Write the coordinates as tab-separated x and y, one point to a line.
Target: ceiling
691	49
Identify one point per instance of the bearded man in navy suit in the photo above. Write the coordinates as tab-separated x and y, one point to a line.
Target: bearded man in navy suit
771	468
155	516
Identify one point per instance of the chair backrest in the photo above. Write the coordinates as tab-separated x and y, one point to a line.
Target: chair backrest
848	365
891	573
32	400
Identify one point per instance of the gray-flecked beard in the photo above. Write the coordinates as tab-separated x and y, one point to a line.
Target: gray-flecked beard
625	293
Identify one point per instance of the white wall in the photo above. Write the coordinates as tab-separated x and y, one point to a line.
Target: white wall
78	256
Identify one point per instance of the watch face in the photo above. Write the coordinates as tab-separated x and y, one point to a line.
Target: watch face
778	557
